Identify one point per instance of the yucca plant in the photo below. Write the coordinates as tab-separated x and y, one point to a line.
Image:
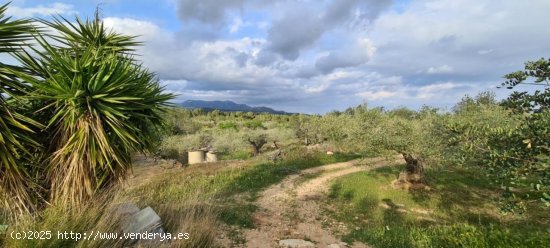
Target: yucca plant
15	128
104	106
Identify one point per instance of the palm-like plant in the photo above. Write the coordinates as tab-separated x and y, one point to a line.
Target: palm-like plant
15	128
104	106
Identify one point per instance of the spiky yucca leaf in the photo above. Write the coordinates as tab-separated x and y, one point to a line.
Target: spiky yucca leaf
104	107
15	129
82	34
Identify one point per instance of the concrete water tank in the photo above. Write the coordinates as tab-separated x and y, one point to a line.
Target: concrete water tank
211	156
196	157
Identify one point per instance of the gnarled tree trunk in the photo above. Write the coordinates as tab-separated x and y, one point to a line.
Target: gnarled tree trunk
257	145
414	170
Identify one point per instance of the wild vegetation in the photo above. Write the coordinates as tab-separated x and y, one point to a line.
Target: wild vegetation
73	112
79	112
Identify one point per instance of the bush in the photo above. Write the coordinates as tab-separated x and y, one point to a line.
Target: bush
254	124
228	125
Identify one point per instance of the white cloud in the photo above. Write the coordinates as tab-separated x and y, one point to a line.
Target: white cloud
144	29
349	56
377	95
41	10
236	25
435	90
439	70
485	51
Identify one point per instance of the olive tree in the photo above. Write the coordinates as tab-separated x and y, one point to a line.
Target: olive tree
380	133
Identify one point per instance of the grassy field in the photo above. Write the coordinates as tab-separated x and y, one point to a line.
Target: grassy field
458	210
231	189
195	199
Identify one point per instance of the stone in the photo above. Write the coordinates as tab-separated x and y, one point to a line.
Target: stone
144	221
291	243
333	246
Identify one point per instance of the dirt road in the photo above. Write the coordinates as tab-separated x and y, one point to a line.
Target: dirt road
292	208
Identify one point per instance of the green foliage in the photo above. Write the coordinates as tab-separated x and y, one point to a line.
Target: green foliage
16	129
524	102
103	106
539	101
512	148
513	145
254	124
228	125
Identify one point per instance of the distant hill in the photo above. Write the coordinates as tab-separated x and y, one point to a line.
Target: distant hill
228	106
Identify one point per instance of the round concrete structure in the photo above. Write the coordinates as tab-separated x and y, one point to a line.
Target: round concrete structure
211	157
195	157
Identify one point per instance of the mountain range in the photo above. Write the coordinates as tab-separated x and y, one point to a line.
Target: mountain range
228	106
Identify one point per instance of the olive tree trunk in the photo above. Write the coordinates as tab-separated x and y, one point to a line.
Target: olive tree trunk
414	170
257	145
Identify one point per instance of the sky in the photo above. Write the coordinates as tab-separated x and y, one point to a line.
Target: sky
317	56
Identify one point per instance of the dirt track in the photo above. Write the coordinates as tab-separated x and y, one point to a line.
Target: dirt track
291	209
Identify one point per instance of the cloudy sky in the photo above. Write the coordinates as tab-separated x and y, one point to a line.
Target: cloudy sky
314	56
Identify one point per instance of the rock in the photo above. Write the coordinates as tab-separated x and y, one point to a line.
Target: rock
343	244
333	246
144	222
295	243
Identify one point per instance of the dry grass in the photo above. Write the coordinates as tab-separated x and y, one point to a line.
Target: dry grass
193	216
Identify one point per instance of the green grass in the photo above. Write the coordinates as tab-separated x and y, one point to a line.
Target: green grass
260	176
458	211
237	155
238	214
231	190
